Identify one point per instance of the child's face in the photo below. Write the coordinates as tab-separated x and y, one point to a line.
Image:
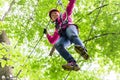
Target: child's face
54	15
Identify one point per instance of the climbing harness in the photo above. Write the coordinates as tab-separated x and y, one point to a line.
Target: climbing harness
60	28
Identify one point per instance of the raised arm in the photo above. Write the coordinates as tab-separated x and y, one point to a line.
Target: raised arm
69	9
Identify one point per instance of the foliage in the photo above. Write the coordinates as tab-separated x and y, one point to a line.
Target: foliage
24	25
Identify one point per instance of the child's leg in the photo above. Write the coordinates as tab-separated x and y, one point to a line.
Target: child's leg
60	47
72	34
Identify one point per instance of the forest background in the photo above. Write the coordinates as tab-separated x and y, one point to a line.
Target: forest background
28	52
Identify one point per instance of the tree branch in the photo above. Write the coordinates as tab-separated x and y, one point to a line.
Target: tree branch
116	13
3	17
98	8
94	22
3	48
101	35
93	11
52	50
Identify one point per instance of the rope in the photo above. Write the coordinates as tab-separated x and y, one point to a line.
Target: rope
29	55
19	72
88	37
32	51
59	2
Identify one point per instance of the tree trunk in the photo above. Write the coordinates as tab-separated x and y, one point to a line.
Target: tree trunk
6	71
4	38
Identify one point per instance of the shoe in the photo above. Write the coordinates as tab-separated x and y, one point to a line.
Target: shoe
82	52
71	66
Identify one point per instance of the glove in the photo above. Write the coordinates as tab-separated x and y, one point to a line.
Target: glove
45	31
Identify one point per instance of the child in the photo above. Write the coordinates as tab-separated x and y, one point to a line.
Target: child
66	33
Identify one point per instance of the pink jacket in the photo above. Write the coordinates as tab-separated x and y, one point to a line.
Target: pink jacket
52	39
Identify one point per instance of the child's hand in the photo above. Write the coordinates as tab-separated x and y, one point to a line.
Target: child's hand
45	31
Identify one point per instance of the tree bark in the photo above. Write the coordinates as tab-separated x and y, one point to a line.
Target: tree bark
6	71
4	38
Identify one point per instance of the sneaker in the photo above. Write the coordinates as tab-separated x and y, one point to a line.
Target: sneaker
71	66
81	51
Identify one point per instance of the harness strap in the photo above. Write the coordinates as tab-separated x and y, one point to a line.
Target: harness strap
63	22
60	27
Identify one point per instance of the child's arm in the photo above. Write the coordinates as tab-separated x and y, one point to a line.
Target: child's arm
69	8
53	39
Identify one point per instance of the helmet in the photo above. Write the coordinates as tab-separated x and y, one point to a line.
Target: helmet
52	11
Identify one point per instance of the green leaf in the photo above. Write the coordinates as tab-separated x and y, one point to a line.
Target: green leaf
21	2
3	63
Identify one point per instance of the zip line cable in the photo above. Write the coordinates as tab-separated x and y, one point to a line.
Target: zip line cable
88	38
